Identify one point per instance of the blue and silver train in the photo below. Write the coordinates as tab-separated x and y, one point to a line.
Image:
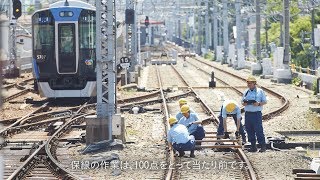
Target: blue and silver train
64	50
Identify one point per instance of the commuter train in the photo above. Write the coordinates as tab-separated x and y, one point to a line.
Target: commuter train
64	50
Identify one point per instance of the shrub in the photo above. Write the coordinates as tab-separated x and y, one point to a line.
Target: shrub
297	81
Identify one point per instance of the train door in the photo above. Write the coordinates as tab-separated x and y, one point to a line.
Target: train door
67	47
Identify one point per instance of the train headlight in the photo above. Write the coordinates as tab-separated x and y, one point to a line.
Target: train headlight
66	14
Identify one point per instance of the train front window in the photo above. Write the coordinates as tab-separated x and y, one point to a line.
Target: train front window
43	36
43	30
66	38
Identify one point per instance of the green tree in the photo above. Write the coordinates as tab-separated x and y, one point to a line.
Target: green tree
300	50
30	9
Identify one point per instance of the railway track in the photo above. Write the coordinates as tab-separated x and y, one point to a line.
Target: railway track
207	68
18	89
34	137
237	156
266	116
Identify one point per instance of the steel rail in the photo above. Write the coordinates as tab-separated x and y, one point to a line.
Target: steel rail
155	101
137	98
51	143
167	127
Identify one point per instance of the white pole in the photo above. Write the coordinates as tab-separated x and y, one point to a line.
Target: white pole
139	50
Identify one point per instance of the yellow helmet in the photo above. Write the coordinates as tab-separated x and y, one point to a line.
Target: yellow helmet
230	107
172	120
185	108
251	79
182	101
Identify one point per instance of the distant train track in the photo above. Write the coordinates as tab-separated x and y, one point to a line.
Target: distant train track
266	116
22	89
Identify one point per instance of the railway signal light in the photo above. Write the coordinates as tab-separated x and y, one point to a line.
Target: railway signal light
146	21
129	16
17	11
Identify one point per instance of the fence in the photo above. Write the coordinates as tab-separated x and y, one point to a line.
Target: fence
307	70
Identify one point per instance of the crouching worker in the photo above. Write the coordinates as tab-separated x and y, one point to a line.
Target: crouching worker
179	138
191	121
231	109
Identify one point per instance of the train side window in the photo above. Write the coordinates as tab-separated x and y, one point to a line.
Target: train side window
87	30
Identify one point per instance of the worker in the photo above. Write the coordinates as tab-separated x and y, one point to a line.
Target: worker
230	108
179	138
253	100
191	121
182	102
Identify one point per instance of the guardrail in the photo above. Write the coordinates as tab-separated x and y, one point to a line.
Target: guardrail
307	70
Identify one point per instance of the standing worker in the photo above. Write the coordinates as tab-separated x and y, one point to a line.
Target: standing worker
191	121
231	109
182	102
179	138
253	100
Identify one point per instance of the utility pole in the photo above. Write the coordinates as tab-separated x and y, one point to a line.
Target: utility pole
178	19
194	36
225	31
286	59
12	41
283	74
281	30
135	36
239	49
313	41
266	29
106	73
215	27
258	27
199	28
130	35
207	24
188	29
179	27
238	24
139	46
